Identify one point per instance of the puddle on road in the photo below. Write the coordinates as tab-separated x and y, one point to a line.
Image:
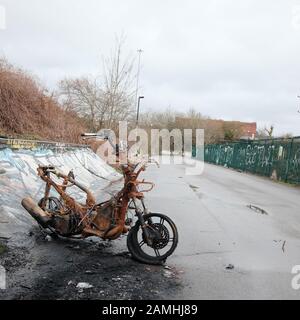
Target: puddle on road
257	209
196	190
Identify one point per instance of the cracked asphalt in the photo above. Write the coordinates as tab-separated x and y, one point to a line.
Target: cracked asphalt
226	249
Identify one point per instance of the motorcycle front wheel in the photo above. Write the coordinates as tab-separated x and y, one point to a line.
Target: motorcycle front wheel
163	236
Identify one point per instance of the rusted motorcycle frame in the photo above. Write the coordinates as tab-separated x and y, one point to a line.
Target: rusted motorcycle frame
66	217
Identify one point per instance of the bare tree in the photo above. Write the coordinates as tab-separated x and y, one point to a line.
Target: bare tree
118	93
261	133
165	119
270	131
287	135
194	114
83	96
103	103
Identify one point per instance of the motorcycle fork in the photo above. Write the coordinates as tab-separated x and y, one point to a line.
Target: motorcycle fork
141	219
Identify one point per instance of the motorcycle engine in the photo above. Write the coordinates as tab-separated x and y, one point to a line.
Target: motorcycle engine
104	218
67	224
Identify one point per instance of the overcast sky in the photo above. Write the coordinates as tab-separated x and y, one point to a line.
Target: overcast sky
229	59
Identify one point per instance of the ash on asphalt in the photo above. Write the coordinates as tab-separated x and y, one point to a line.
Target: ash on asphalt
52	270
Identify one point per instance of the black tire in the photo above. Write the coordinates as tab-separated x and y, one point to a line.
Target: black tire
48	231
52	204
141	255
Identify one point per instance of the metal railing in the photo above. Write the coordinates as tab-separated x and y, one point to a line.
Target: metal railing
275	158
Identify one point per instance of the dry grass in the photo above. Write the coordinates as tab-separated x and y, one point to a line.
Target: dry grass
28	111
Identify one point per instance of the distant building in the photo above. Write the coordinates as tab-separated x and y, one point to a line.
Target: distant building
217	129
249	130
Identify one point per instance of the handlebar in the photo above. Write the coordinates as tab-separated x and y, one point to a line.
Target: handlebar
69	181
133	166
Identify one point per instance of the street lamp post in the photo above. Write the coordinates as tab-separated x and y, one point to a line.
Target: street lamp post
138	110
140	51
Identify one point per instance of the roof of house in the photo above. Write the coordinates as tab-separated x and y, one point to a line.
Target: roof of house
247	128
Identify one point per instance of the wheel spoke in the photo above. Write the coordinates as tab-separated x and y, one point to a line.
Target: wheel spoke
161	222
157	252
162	239
141	243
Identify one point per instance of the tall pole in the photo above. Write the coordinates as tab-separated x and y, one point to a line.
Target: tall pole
138	76
138	111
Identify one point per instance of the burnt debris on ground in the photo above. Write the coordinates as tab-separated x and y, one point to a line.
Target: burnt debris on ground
53	269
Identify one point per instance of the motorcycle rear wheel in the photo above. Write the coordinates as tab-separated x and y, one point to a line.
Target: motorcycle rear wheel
52	204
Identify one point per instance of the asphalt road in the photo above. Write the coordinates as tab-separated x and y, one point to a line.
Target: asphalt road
227	250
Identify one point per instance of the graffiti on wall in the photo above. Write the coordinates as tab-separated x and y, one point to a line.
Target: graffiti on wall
18	178
276	158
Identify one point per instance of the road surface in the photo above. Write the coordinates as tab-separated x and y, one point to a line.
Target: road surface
226	250
218	231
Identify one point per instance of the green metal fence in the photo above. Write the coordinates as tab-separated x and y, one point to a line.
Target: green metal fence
276	158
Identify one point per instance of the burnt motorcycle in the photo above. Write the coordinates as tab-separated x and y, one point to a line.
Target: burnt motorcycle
152	237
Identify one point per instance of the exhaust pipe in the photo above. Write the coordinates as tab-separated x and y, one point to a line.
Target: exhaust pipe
36	212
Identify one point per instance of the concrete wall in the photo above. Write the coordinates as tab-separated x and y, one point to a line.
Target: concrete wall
18	178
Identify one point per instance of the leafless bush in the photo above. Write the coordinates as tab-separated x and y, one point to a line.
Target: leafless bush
28	110
215	130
